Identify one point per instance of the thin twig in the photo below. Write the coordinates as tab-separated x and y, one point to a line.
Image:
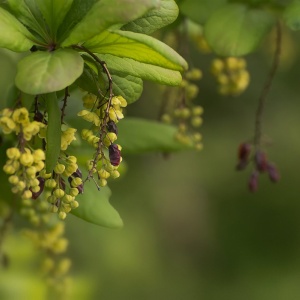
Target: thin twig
65	100
266	89
99	150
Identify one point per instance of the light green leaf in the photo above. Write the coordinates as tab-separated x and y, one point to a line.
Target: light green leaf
76	13
155	19
140	135
46	72
53	134
137	46
127	86
54	12
28	13
236	29
13	35
105	13
142	70
94	207
200	10
291	15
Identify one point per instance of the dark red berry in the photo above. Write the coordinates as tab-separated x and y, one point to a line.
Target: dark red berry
244	151
112	127
41	185
261	161
253	182
114	154
273	173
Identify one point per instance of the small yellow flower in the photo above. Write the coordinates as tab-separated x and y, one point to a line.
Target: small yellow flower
13	153
7	124
21	116
67	137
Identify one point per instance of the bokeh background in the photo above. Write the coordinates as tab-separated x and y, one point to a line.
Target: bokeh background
192	229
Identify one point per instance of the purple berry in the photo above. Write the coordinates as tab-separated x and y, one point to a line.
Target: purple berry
261	161
114	154
253	182
273	173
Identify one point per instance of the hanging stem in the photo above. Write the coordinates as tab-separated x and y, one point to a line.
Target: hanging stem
266	89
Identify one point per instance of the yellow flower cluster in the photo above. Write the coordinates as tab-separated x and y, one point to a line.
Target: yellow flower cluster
187	115
103	135
231	75
18	121
22	168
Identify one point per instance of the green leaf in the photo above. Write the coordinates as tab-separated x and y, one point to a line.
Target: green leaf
53	134
28	13
103	14
46	72
127	86
291	15
142	70
76	13
13	35
137	46
140	135
54	12
200	10
94	207
236	30
155	19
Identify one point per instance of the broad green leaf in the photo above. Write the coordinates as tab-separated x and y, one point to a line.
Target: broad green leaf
235	29
291	15
140	135
137	46
200	10
128	86
54	12
13	35
28	13
105	13
53	134
94	207
46	72
142	70
155	19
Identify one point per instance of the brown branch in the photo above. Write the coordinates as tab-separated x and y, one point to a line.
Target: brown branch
266	89
65	100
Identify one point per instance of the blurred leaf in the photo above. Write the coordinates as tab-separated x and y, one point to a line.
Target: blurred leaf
155	19
103	14
200	10
140	135
235	29
142	70
94	207
13	35
291	15
137	46
53	134
54	12
46	72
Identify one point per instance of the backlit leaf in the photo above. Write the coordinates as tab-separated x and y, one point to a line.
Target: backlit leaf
105	13
46	72
94	207
235	29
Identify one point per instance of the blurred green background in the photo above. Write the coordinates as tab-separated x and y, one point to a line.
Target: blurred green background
192	230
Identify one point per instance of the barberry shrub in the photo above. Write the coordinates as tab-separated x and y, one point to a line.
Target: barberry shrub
77	65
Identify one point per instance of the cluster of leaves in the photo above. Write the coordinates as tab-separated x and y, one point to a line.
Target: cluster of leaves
236	28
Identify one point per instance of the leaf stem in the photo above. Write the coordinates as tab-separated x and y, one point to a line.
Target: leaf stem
266	89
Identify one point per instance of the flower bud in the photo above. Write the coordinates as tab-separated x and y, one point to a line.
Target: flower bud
253	181
114	154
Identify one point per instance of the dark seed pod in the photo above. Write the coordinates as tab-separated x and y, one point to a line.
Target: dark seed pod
80	189
112	127
77	173
41	185
62	183
253	182
38	116
244	151
261	161
273	173
114	154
